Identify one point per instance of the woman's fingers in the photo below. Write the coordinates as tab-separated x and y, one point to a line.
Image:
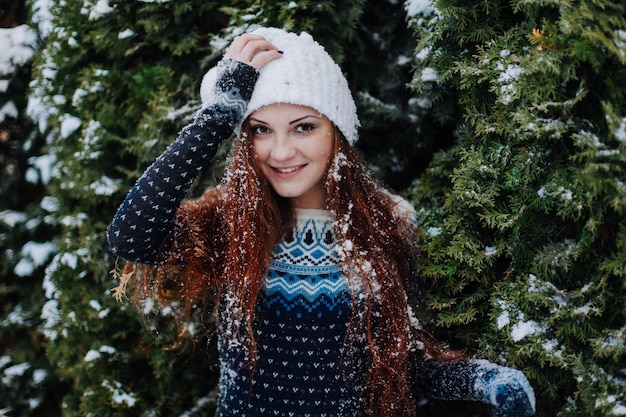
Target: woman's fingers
253	50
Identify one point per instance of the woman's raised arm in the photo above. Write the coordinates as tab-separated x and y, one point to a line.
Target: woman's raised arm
144	218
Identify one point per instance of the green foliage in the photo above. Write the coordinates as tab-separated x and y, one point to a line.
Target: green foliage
28	385
524	215
330	23
115	87
397	135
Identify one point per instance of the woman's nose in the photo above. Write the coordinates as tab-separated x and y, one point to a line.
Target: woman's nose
282	148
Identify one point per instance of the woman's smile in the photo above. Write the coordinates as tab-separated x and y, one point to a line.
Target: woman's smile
290	170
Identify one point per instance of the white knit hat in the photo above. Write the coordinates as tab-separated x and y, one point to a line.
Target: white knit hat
305	74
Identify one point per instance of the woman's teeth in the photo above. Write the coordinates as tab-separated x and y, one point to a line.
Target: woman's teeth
287	170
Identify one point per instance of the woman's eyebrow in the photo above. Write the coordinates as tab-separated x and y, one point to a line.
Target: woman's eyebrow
254	119
304	117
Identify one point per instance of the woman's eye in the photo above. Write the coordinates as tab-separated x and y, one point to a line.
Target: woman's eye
305	128
259	130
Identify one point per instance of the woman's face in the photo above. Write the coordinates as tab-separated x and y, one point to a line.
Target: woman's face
292	145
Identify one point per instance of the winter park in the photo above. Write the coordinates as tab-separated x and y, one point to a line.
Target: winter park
476	267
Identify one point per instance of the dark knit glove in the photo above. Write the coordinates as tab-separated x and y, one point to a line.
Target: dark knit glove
507	390
145	217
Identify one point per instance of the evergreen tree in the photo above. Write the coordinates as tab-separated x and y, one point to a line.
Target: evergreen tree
28	384
112	86
398	135
525	233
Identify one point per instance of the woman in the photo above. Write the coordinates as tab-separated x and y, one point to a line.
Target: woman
307	256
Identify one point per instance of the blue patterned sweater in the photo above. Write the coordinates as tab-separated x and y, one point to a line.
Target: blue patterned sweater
302	317
305	306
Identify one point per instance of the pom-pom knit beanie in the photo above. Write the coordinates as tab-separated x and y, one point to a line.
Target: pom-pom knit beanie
306	75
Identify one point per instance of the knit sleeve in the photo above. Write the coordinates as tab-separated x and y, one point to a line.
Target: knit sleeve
507	390
144	219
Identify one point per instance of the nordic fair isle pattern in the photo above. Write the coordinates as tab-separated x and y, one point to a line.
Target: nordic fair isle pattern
302	317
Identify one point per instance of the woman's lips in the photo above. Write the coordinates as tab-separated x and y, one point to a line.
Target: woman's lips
285	172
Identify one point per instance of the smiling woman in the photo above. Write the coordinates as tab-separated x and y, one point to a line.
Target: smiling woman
307	256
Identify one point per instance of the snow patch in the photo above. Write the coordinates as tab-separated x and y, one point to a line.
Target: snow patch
423	54
75	220
94	355
51	316
50	204
503	319
429	74
510	73
42	16
620	42
119	396
102	312
433	231
524	328
619	410
69	125
553	349
12	218
39	375
89	141
34	254
9	110
508	76
620	134
421	7
4	360
15	317
40	168
125	34
96	11
18	47
15	371
542	192
104	186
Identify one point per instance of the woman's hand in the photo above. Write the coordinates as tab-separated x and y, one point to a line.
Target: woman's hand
253	50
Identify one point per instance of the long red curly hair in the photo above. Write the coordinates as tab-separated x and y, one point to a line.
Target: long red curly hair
220	247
